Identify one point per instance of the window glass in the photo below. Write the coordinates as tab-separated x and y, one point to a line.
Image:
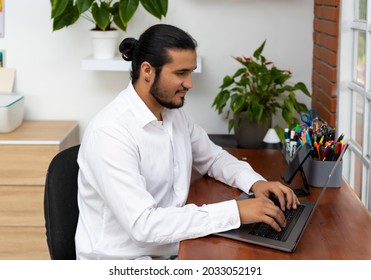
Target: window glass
367	130
362	10
360	57
357	184
358	118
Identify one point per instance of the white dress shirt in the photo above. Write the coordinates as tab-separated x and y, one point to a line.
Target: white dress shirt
134	180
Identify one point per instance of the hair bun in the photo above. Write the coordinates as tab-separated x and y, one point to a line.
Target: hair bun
127	48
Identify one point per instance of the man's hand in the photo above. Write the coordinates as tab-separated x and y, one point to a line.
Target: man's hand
284	194
262	209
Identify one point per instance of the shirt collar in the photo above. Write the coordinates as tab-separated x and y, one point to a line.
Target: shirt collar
142	114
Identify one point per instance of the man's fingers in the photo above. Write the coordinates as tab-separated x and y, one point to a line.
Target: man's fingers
274	217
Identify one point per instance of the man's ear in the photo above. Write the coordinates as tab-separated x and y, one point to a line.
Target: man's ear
147	71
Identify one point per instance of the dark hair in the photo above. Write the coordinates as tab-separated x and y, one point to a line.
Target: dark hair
152	47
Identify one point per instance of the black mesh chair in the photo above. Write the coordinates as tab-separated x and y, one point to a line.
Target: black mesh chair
60	204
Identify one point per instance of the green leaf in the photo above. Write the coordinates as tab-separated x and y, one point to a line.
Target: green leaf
249	116
288	111
69	16
163	6
276	73
227	81
280	133
83	5
221	100
127	9
301	86
244	82
286	115
262	59
237	103
257	109
59	6
239	72
230	125
300	107
101	15
264	81
157	8
259	50
280	76
119	23
288	104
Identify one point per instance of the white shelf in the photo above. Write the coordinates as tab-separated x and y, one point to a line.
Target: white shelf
116	64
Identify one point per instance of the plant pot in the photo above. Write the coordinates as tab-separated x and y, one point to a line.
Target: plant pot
249	134
104	43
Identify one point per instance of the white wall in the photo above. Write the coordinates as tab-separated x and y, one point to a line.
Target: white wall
48	64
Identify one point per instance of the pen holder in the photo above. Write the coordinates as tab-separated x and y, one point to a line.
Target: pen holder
317	173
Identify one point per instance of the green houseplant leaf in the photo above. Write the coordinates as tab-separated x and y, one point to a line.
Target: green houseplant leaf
127	9
258	90
258	51
68	17
101	15
58	7
157	8
103	12
83	5
116	17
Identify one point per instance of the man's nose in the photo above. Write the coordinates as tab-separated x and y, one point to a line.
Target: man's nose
188	82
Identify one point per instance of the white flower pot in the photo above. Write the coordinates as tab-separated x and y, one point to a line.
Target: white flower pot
104	43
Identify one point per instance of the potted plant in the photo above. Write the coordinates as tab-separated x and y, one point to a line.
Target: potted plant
106	15
255	93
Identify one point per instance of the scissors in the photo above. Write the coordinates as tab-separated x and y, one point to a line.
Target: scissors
309	118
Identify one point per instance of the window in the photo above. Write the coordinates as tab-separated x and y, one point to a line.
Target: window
354	99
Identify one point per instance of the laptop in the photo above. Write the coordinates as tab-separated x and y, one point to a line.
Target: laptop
297	220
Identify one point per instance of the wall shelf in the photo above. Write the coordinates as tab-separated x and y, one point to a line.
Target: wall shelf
116	64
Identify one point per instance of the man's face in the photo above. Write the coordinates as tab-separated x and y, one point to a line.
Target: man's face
171	85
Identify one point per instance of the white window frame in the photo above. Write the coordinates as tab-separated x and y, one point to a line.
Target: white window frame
346	97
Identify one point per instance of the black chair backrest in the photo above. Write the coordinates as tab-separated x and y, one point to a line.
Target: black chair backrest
60	204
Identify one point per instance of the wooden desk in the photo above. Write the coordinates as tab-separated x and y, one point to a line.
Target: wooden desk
339	229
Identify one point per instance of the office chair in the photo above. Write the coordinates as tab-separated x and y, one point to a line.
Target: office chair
60	204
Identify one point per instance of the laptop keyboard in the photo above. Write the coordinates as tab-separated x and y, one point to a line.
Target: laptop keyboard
264	230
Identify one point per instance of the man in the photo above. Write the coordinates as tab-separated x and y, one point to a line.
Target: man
137	156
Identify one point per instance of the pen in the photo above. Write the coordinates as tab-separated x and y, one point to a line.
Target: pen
321	141
293	145
325	152
287	140
317	150
340	138
345	147
308	138
339	148
322	152
303	138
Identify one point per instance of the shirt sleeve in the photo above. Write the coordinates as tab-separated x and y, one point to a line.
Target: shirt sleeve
187	222
217	163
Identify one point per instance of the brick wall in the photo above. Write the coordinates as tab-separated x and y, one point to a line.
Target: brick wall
325	61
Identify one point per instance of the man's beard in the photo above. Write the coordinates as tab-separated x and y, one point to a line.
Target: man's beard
159	95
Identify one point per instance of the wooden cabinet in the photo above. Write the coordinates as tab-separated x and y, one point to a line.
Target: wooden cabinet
25	155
